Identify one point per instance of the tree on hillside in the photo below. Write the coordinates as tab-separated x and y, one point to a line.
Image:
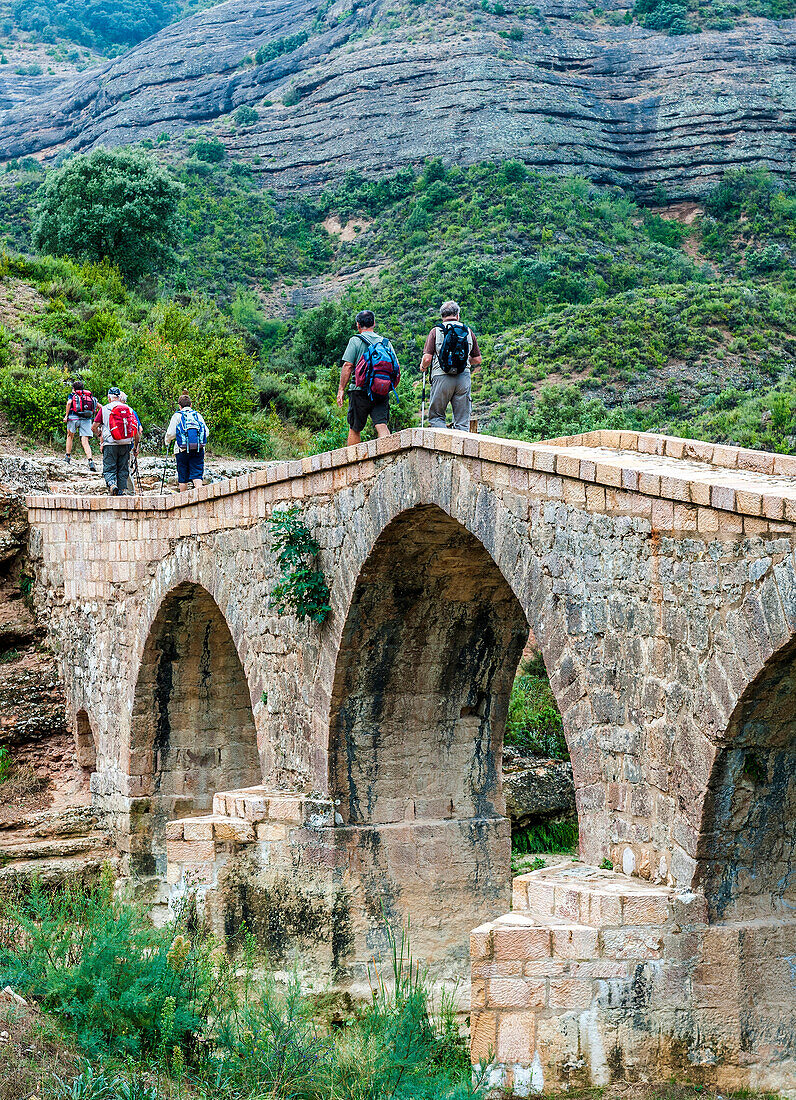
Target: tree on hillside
116	205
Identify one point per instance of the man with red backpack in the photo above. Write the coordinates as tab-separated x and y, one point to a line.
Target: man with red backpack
373	362
116	427
451	349
80	409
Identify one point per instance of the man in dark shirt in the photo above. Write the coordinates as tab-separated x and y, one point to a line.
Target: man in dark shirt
360	406
449	389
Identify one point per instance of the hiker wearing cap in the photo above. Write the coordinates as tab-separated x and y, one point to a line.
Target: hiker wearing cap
451	349
190	433
133	468
374	365
116	427
80	409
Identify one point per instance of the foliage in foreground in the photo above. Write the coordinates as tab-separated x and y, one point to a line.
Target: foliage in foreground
170	1001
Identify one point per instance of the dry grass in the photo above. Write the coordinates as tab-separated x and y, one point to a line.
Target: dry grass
32	1052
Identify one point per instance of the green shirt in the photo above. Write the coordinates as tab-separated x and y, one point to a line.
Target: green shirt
355	348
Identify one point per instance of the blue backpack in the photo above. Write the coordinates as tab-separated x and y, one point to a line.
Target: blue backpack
191	433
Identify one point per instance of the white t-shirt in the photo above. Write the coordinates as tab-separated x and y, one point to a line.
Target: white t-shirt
171	431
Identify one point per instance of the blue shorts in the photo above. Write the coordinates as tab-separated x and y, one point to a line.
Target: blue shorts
190	466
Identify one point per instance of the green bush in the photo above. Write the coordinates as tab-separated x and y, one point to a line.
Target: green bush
302	589
212	151
246	116
534	723
119	206
97	963
33	397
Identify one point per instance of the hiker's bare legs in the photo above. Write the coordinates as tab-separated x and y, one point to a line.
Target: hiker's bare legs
355	437
70	438
86	446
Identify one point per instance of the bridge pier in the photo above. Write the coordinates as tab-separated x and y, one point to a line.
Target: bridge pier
317	894
596	978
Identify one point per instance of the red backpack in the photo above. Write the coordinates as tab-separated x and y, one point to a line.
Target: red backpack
122	423
83	404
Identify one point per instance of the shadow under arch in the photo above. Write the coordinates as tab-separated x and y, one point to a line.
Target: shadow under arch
746	855
423	676
193	730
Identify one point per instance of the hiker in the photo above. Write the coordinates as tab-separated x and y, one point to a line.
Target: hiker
189	432
132	473
116	427
453	350
376	372
80	409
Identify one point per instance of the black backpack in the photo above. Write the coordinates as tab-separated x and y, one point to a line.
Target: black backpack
454	355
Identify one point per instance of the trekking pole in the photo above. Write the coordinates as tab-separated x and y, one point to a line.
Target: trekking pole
163	478
423	403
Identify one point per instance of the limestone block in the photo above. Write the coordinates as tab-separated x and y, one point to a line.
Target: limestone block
645	909
286	809
481	942
516	1037
174	830
483	1036
575	943
516	993
195	851
197	829
237	830
521	943
570	994
631	943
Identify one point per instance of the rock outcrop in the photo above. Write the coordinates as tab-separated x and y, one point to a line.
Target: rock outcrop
380	86
537	789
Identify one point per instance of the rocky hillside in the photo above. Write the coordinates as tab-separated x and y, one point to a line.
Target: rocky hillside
376	86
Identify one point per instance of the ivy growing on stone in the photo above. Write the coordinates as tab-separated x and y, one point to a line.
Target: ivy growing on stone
302	589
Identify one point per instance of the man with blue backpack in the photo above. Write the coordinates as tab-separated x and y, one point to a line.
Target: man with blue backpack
189	432
374	365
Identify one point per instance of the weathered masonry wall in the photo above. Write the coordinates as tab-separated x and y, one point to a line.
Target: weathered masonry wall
656	574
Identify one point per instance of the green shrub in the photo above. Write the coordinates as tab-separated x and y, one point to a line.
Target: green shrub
549	836
211	151
246	116
97	963
33	397
116	205
6	763
302	589
534	723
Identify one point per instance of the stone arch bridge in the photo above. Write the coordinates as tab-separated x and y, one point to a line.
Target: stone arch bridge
312	780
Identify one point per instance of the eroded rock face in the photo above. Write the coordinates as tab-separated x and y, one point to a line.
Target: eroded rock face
381	86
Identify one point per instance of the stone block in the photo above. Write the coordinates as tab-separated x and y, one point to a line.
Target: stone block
481	942
516	992
195	851
174	830
521	943
237	830
630	943
516	1037
645	909
286	809
570	994
575	943
194	829
271	832
483	1036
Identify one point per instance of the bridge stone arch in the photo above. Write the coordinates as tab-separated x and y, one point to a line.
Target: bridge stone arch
192	728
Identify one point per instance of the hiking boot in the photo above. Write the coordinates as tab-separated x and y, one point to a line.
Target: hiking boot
113	490
91	466
68	459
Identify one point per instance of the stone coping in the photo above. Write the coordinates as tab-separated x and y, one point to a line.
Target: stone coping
731	479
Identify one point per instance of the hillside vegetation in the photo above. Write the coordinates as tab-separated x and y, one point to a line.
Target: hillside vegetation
590	309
